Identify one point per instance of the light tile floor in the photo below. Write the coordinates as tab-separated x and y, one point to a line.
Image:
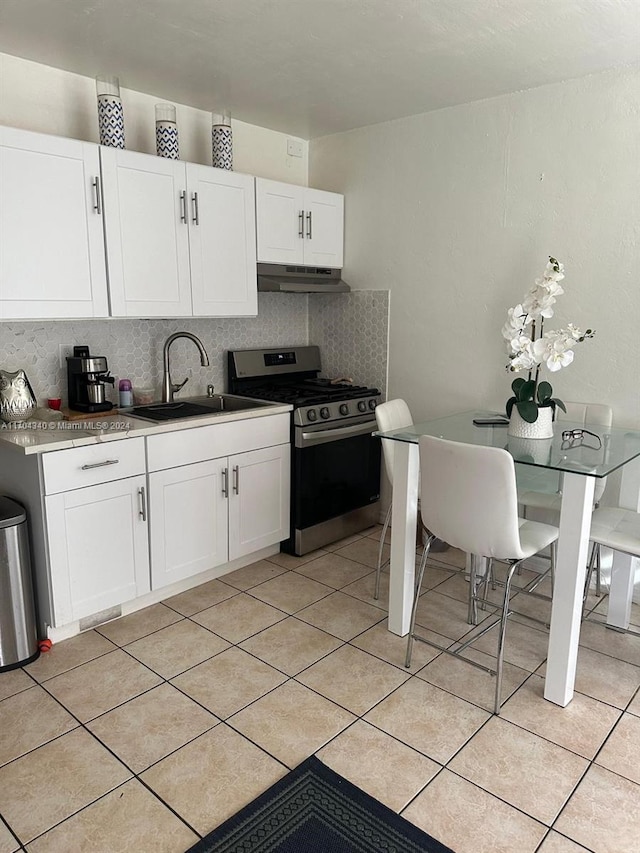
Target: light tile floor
149	731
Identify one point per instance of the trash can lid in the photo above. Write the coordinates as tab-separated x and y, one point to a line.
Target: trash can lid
11	513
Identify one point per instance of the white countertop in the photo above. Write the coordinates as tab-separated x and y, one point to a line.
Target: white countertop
29	437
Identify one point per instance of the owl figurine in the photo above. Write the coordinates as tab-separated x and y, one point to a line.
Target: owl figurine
17	400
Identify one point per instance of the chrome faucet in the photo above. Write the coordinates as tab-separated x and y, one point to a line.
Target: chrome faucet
168	387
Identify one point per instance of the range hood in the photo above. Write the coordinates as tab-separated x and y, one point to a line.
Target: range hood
287	278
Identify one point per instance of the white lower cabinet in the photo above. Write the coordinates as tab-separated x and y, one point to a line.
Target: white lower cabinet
205	512
188	511
96	527
115	520
98	547
209	513
258	499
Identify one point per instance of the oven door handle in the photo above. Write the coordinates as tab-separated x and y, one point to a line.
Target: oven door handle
308	439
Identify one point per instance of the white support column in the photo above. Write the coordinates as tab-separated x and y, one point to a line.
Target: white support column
566	610
624	567
403	535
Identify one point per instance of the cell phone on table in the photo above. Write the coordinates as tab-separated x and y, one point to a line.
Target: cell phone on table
491	420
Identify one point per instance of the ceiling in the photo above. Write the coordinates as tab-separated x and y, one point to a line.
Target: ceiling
315	67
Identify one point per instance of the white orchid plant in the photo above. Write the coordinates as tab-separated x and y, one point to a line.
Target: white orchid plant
530	346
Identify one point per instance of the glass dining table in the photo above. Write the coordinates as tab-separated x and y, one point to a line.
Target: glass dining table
591	452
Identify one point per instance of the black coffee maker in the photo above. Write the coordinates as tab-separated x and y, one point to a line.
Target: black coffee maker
87	376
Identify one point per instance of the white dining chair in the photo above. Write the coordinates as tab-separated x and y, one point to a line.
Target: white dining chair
550	501
469	499
616	528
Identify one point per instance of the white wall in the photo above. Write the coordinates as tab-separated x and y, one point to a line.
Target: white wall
47	100
456	211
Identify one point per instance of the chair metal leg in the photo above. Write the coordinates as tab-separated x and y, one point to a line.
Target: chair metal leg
488	575
554	554
502	635
385	527
598	574
416	597
472	613
595	556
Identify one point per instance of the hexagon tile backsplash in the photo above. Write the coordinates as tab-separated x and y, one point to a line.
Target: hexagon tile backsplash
352	331
133	348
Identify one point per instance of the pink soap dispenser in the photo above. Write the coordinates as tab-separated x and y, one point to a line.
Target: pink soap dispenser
125	393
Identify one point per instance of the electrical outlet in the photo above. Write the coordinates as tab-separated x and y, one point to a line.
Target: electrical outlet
294	147
63	351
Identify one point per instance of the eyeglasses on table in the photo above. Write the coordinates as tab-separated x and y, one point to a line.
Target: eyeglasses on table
576	438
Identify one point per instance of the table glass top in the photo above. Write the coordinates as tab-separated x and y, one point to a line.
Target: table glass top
581	456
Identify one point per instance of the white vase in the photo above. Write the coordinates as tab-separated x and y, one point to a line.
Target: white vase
542	427
536	450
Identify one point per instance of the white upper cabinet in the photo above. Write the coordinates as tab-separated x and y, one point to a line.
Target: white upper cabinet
299	225
222	240
51	236
180	238
146	234
323	229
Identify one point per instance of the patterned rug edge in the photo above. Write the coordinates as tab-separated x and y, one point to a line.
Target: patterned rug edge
245	831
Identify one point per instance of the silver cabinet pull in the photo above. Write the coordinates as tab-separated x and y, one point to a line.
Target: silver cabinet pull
99	464
183	206
301	224
309	225
196	214
97	206
142	512
225	482
236	479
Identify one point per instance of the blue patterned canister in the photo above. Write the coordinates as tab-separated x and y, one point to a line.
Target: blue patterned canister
221	141
110	113
167	132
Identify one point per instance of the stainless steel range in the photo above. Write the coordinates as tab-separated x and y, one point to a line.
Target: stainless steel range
335	470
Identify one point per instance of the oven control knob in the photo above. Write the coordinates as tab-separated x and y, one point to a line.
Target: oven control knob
324	413
312	415
372	404
344	409
362	405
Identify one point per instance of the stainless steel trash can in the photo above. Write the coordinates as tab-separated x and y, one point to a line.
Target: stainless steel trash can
18	632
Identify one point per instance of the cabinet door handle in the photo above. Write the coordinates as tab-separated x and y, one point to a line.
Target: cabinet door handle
301	224
183	206
309	225
142	512
99	464
196	214
236	479
225	482
97	206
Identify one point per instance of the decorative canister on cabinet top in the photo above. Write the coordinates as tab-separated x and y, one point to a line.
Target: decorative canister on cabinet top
110	113
17	400
167	132
221	140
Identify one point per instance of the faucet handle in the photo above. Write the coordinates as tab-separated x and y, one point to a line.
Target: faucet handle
210	391
176	386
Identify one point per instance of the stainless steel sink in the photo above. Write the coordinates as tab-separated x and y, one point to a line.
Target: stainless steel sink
195	407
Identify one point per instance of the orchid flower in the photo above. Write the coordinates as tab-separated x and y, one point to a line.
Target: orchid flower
530	347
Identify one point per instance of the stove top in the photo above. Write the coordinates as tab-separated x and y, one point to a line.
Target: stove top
291	376
310	392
